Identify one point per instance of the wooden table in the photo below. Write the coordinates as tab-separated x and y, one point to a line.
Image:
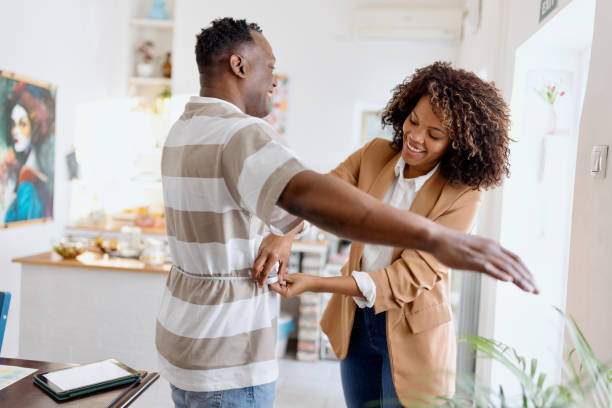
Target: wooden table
24	393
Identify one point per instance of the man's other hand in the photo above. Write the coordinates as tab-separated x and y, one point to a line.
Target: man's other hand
470	252
273	249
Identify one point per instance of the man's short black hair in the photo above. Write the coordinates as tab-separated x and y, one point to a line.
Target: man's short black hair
221	38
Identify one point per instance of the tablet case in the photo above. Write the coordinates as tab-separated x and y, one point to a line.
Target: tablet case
39	381
119	397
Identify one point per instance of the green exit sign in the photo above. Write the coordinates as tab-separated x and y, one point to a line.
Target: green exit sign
546	7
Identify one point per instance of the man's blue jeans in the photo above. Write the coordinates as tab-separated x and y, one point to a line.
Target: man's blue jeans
366	371
259	396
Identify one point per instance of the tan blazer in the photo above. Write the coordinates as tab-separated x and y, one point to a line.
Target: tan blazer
414	289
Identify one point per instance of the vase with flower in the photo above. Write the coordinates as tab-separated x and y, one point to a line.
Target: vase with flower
550	94
144	68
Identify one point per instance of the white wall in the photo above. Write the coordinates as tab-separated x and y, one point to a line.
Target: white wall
329	73
537	199
481	50
84	49
78	46
590	272
505	312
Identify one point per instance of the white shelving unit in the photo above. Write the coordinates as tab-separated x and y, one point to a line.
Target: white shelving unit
160	33
147	23
149	81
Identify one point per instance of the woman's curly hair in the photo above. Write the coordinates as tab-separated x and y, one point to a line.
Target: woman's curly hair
474	114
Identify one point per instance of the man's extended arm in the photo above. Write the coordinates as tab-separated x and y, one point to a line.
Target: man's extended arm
344	210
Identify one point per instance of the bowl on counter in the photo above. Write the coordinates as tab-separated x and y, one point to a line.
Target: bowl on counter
69	248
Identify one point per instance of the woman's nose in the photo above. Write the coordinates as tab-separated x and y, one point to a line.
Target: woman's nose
418	137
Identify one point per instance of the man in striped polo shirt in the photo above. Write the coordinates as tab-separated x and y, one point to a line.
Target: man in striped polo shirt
226	178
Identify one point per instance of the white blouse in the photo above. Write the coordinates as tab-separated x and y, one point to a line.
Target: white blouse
400	195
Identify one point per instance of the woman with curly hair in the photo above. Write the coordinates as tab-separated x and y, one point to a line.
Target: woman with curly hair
396	341
30	115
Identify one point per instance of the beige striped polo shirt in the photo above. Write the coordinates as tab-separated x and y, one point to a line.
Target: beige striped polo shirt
222	174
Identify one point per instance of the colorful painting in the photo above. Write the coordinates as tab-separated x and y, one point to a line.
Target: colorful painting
278	106
27	149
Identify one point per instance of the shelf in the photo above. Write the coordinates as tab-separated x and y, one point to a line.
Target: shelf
316	247
144	22
152	81
113	227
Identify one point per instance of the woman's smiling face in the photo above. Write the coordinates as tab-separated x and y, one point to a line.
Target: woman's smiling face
425	139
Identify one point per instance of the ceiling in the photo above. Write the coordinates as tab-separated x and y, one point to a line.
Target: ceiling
411	3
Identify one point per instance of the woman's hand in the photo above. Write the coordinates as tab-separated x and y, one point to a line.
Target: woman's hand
274	249
297	283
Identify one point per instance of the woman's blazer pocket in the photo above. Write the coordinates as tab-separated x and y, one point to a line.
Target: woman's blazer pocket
428	318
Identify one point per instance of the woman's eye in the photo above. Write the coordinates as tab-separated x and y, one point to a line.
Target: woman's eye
434	137
412	121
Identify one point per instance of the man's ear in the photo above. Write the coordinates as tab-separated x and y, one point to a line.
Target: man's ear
238	65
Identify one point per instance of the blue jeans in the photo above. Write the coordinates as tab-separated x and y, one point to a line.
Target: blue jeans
259	396
366	371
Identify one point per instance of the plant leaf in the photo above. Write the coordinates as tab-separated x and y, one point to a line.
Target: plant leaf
534	367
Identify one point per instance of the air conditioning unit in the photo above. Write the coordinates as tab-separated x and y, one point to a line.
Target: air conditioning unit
407	23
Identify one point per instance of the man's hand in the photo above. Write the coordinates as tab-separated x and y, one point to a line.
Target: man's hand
297	283
274	249
470	252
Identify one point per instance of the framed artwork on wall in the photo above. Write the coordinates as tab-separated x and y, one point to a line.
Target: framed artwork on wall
371	127
278	106
27	150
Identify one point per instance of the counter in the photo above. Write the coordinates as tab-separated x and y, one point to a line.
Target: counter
90	308
93	260
96	307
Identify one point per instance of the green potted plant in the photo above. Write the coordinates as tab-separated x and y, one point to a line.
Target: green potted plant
587	381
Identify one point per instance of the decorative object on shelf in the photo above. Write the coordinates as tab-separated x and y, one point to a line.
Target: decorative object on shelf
549	119
130	244
158	10
144	68
27	149
161	101
278	105
167	67
155	252
549	94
